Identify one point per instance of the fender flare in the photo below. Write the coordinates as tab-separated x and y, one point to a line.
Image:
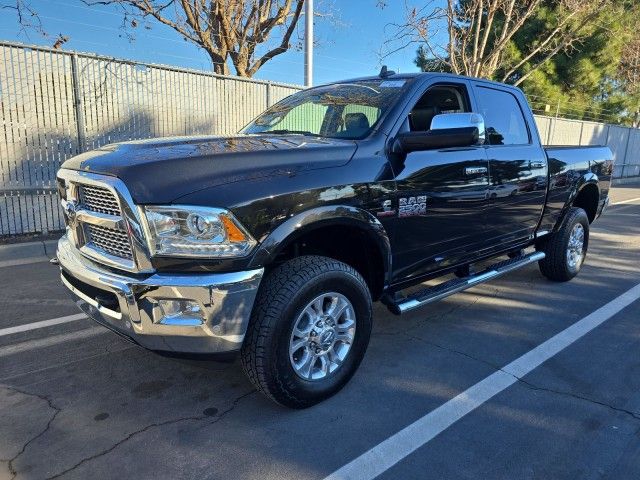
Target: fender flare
316	218
581	183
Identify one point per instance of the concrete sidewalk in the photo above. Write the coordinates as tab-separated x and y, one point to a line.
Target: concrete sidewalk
27	252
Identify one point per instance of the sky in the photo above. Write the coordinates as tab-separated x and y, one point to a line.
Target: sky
347	45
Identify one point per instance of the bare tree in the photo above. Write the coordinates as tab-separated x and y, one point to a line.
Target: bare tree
480	31
226	29
29	20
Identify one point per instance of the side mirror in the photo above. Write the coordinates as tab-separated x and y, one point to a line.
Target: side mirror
459	120
447	130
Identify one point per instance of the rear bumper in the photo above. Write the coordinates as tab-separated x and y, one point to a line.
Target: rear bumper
129	304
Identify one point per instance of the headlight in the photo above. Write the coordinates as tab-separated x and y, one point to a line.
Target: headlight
184	231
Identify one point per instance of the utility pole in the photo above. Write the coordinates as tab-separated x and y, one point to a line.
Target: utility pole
308	43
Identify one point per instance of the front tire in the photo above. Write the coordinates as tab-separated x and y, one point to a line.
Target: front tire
309	330
566	248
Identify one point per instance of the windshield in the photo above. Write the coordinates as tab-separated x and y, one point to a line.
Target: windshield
344	110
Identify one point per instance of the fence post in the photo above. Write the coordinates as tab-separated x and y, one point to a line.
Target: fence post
550	131
626	152
268	94
581	132
77	104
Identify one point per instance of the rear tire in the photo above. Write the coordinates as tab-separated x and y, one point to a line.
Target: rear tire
300	294
566	248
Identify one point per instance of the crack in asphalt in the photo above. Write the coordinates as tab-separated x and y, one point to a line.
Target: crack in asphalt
532	386
635	415
56	410
131	435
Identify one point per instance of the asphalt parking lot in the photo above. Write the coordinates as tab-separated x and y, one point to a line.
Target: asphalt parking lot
77	401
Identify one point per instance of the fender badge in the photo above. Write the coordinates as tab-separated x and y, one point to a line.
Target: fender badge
413	206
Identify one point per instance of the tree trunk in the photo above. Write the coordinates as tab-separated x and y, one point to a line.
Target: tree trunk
219	63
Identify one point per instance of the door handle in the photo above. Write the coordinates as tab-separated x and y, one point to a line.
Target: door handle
474	170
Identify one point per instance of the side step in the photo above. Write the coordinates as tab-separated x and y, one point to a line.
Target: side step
442	290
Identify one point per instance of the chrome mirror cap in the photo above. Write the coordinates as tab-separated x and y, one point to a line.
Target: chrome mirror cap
460	120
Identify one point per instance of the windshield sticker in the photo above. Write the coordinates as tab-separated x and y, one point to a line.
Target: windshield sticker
392	84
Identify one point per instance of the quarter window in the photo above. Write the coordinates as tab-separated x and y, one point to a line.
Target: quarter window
504	122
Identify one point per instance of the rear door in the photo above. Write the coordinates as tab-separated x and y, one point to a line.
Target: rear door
517	166
441	194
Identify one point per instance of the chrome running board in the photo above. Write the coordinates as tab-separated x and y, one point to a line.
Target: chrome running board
442	290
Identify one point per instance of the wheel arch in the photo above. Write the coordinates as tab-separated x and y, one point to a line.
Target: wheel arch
587	198
585	193
346	233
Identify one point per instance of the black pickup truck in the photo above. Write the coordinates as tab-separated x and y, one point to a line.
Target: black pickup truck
276	241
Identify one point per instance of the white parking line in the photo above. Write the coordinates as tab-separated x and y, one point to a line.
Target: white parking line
42	324
52	340
392	450
630	200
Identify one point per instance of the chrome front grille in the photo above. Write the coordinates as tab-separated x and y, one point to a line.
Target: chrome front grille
113	242
102	220
98	199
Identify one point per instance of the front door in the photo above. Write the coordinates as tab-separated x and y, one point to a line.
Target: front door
441	194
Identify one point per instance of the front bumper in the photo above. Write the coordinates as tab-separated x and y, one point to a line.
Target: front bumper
128	304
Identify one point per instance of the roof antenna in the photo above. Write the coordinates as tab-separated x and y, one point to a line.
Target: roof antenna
385	72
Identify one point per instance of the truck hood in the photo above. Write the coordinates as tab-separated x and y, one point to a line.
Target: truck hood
162	170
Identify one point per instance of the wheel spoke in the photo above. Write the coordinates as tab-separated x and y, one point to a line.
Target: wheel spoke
297	333
312	314
337	308
334	357
298	344
318	306
324	365
307	366
345	338
345	326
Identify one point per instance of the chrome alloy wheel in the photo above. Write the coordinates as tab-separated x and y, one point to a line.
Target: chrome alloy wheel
322	336
575	247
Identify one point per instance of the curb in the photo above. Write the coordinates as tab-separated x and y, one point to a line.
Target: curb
625	181
20	251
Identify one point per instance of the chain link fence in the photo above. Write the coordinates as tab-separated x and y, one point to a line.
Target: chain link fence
624	142
55	104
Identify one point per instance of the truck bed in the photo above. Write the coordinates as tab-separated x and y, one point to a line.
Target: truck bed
571	167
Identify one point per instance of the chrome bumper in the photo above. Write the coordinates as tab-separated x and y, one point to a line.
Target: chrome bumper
129	305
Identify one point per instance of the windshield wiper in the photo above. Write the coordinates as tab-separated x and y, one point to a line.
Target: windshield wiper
295	132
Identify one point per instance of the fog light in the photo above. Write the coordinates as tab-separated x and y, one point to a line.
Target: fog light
180	312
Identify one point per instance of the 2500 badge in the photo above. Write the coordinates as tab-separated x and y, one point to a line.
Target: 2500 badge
412	206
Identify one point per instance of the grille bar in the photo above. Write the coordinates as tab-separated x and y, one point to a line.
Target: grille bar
113	242
99	199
